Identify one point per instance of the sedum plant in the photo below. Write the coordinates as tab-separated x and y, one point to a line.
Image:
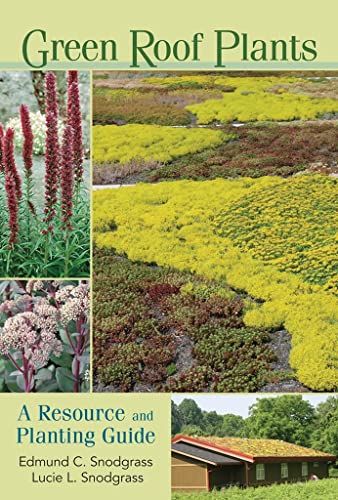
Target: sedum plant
193	226
151	142
44	336
262	106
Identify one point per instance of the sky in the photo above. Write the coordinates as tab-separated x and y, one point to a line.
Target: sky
236	403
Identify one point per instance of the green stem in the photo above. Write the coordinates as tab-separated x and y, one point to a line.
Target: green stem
8	263
46	252
77	192
66	254
28	197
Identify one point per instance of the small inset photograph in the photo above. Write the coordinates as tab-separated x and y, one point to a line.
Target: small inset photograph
44	174
254	447
214	230
44	336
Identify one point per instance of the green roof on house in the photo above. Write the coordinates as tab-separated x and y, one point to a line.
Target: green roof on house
255	448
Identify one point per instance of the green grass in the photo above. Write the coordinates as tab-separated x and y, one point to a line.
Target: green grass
326	489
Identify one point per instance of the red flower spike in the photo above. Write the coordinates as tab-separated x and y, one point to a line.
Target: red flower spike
9	160
52	159
74	119
13	208
2	166
51	168
27	151
51	99
72	77
67	178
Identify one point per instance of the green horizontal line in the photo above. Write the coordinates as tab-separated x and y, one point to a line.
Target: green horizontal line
207	65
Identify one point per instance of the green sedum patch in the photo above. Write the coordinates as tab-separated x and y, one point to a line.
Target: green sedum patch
160	329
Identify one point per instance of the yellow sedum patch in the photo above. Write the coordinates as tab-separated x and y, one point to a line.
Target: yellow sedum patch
251	100
241	84
122	144
292	225
262	106
177	224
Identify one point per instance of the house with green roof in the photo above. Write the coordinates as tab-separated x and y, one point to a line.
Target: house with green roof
202	464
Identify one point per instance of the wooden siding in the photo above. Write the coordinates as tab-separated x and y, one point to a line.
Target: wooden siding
188	474
227	475
273	473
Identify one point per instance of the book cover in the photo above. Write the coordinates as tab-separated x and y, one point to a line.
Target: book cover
168	250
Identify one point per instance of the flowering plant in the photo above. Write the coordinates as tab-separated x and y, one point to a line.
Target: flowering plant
38	124
44	336
44	232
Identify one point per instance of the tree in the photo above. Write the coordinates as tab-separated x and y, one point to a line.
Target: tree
232	425
287	417
176	420
190	412
325	434
192	430
212	423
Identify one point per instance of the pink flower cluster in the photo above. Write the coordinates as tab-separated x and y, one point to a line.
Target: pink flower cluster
75	303
20	332
31	332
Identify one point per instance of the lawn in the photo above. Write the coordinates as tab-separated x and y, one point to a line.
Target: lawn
312	490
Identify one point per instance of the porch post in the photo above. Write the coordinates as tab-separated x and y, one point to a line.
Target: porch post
207	478
246	474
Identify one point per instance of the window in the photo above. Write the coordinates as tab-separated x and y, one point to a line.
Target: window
260	472
284	470
316	464
305	469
